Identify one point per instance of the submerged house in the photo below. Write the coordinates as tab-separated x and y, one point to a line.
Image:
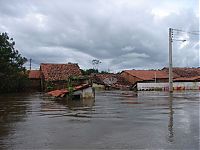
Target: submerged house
149	76
55	76
83	91
110	81
183	78
62	80
146	79
65	80
187	83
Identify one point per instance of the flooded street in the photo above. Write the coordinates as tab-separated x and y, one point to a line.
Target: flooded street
114	120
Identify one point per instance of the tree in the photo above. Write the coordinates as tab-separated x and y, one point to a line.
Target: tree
89	71
12	72
96	63
104	72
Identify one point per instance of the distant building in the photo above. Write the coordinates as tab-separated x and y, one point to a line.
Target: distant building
183	72
183	78
187	79
135	76
35	79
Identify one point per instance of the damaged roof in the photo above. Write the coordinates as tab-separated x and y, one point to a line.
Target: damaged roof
58	72
63	92
101	79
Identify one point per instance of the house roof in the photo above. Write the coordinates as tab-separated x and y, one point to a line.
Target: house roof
56	72
34	74
196	78
148	74
184	72
107	78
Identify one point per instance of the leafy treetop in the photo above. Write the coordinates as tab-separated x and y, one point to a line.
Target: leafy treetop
11	64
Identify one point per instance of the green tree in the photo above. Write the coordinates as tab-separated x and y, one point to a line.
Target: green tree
89	71
104	72
12	73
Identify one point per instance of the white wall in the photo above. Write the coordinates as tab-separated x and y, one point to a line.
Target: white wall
88	93
186	85
85	93
165	86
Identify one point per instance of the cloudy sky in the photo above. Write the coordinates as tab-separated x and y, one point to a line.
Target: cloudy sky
122	34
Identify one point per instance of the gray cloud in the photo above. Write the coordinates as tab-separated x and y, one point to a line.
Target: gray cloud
123	34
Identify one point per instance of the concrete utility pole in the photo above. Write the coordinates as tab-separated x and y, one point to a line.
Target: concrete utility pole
30	63
170	62
171	39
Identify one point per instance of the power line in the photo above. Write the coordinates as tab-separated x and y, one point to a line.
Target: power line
185	32
194	37
177	33
189	32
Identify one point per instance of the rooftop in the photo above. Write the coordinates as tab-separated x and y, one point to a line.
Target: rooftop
196	78
55	72
184	72
148	74
108	77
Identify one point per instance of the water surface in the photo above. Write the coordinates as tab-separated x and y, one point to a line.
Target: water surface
114	120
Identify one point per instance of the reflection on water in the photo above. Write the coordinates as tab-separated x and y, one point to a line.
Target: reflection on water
64	107
113	120
74	104
170	126
12	109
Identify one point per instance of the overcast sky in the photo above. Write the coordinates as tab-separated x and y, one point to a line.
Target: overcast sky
122	34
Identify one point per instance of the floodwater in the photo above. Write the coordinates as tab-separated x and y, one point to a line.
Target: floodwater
114	120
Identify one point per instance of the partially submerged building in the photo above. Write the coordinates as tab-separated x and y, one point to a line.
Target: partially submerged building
55	76
62	80
187	83
83	91
183	78
62	76
110	81
149	76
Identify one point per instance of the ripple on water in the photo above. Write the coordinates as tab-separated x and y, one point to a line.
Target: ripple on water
114	119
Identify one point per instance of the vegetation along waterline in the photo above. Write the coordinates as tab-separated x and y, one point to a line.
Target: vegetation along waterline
13	74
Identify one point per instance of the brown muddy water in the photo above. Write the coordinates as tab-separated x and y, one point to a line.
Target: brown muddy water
152	120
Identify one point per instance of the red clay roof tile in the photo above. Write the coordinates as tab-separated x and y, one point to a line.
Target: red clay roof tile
184	72
148	74
57	93
196	78
56	72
